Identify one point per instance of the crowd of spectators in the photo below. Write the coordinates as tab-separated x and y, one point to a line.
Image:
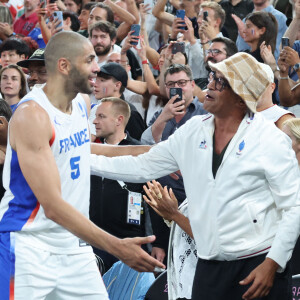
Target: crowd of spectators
170	51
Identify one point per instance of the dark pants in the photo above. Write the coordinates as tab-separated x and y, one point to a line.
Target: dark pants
220	280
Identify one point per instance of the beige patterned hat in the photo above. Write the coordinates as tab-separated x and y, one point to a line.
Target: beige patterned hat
245	75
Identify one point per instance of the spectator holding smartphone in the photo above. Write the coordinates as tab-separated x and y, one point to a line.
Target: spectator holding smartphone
208	30
289	90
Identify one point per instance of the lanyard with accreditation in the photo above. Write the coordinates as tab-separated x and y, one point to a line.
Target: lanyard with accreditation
134	205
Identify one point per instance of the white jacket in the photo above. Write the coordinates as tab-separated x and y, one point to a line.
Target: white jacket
251	205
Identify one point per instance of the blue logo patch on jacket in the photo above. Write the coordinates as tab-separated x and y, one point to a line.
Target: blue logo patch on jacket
241	147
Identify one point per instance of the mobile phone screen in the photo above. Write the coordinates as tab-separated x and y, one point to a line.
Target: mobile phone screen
285	41
180	13
136	31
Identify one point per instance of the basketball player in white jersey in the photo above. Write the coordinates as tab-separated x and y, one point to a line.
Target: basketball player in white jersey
44	229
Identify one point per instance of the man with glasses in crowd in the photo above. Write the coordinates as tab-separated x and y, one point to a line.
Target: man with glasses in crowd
164	124
175	113
220	49
208	30
241	179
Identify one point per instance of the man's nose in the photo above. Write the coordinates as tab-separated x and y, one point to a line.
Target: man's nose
33	76
96	67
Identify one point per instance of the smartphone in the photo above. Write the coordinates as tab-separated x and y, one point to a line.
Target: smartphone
43	2
178	47
176	91
59	15
180	13
136	32
285	42
52	1
205	15
150	4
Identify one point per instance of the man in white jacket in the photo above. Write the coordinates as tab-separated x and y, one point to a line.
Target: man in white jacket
242	183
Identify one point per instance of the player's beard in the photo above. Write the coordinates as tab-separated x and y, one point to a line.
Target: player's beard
78	82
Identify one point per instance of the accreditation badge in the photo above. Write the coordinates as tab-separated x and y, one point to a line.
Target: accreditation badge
134	208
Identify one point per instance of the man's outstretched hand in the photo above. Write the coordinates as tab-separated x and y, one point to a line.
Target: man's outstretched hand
131	253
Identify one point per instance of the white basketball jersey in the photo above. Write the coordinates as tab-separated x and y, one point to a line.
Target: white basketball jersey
274	113
20	210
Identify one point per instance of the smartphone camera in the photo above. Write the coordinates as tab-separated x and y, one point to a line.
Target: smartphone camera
178	47
176	91
59	15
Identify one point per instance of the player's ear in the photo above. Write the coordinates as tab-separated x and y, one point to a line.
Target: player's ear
64	66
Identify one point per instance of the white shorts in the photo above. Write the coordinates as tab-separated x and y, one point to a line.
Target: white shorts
30	273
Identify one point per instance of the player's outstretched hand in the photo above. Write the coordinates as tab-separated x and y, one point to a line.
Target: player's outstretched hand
131	253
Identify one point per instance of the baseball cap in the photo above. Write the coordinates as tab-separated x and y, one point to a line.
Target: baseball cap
38	55
115	70
245	75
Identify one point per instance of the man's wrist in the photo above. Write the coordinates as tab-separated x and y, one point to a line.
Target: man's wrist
272	264
169	223
161	120
283	73
115	246
172	38
204	42
10	35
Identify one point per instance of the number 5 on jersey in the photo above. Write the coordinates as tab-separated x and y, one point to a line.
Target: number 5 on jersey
74	163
